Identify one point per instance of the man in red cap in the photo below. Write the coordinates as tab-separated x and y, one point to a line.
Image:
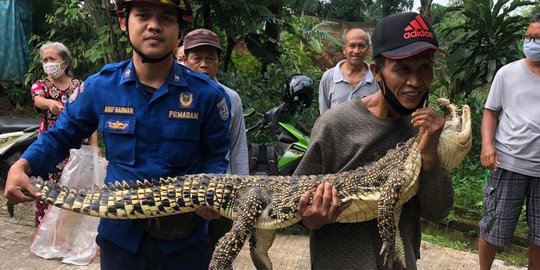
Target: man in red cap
361	131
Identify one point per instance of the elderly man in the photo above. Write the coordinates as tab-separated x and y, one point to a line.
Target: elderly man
202	53
350	78
361	131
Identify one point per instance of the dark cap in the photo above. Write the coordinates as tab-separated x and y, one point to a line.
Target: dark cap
403	35
201	37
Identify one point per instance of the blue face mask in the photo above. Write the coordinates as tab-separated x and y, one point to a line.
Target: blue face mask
532	50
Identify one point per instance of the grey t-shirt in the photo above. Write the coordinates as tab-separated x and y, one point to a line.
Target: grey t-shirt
515	93
238	153
334	89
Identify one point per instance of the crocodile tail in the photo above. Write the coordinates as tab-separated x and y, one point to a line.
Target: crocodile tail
119	200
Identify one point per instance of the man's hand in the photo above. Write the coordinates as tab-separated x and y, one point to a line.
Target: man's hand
18	186
431	126
207	213
324	208
489	157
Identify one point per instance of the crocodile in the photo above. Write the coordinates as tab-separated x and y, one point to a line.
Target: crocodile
260	204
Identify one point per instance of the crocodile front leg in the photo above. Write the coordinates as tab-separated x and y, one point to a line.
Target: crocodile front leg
249	209
259	244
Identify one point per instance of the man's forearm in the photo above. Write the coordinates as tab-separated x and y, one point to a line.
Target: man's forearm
488	126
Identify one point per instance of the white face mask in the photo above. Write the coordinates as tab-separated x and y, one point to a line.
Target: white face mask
532	50
53	69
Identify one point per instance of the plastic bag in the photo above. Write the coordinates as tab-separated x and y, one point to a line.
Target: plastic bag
64	234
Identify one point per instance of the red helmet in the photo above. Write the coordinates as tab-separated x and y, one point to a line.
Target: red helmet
185	13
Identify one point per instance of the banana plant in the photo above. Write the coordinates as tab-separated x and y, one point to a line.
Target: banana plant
490	37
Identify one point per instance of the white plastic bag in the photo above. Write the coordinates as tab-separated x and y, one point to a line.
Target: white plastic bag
68	235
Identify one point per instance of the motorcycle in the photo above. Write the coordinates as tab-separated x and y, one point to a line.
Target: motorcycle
291	141
16	134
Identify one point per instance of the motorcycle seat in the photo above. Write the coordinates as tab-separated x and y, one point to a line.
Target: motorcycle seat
14	124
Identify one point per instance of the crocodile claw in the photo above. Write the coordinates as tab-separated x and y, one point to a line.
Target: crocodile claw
11	208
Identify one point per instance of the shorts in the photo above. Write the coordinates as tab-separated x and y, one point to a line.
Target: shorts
504	195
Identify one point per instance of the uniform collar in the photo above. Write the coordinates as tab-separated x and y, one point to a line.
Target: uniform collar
176	76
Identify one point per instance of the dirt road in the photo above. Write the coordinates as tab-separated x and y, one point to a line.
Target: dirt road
288	251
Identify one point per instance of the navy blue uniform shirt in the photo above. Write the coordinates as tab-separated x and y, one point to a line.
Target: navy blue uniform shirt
181	129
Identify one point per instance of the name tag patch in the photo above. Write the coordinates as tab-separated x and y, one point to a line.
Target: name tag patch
184	115
119	109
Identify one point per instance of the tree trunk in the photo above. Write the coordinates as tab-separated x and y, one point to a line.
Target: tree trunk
207	19
425	8
272	31
231	42
456	88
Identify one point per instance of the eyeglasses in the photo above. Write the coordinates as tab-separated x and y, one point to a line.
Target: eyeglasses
531	38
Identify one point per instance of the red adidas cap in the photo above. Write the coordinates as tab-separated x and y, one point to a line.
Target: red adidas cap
403	35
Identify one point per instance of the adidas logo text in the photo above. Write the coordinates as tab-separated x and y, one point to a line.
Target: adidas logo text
417	33
417	28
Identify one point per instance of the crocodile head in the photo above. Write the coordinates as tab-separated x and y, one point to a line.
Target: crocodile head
456	138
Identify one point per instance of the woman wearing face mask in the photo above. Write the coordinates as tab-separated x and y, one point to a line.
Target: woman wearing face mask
50	94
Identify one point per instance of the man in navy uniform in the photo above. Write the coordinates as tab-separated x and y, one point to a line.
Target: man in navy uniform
158	119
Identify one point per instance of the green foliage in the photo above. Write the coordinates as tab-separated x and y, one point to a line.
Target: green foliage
361	10
436	14
300	45
489	38
532	11
349	10
468	184
88	31
307	33
380	8
469	177
445	242
394	6
262	92
16	95
239	21
295	229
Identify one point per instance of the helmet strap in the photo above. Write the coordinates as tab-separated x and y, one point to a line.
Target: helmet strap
394	102
145	58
